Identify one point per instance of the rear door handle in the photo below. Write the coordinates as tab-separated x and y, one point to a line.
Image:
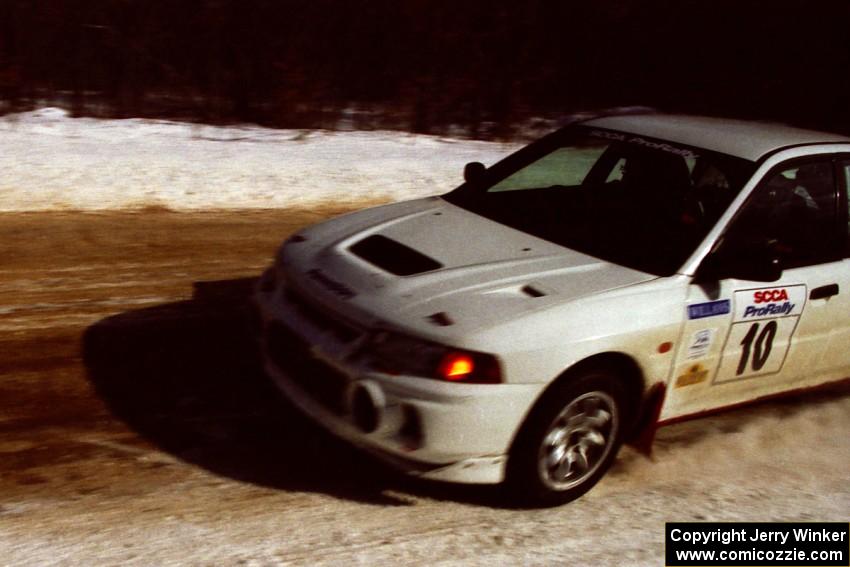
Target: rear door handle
824	291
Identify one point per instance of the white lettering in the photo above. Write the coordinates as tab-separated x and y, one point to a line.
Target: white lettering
777	536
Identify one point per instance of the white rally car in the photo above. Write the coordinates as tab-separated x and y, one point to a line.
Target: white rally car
616	275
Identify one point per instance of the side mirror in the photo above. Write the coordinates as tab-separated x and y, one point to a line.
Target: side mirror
761	265
473	171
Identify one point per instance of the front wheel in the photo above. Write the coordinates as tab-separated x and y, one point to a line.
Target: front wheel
570	439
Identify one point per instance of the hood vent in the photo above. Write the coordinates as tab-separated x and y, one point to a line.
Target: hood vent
441	319
532	291
392	256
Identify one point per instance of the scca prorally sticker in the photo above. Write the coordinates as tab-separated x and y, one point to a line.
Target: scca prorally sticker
761	332
769	303
709	309
652	144
700	343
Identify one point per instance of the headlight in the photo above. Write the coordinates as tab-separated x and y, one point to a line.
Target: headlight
399	354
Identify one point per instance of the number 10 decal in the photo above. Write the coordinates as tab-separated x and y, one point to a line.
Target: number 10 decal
763	346
762	329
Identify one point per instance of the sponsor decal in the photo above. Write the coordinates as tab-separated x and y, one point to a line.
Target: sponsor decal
769	310
762	330
700	344
695	374
709	309
637	140
769	303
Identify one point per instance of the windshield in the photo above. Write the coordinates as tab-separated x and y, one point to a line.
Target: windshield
628	199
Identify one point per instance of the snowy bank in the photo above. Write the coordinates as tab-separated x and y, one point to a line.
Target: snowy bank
50	161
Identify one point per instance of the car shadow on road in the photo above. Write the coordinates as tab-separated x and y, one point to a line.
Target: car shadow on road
187	377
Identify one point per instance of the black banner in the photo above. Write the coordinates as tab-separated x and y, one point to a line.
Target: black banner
742	544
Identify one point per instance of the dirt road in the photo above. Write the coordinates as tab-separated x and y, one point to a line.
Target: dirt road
137	428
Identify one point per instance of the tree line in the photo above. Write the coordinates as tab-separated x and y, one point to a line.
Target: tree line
477	67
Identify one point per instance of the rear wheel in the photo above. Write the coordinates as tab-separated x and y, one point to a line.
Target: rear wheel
570	439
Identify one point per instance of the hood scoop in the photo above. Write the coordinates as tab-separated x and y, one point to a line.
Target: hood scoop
441	319
393	257
532	291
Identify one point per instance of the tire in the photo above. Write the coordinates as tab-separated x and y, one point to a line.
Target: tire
569	440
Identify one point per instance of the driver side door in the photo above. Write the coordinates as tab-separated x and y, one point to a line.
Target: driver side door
745	338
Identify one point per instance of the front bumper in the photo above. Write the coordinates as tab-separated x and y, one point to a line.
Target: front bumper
425	427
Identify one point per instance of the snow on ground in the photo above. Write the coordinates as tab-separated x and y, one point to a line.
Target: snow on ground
50	161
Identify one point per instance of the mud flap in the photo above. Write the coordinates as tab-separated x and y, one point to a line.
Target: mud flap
644	433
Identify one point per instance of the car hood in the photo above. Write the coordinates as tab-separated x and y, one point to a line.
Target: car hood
434	267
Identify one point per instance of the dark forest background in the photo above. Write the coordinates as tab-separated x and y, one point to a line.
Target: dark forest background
486	67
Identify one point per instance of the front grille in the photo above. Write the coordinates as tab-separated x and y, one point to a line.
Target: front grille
319	319
321	381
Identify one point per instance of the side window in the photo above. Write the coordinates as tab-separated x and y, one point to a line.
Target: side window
793	212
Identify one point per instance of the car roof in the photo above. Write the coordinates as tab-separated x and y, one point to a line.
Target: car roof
747	139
